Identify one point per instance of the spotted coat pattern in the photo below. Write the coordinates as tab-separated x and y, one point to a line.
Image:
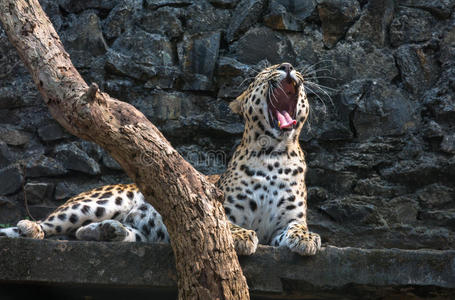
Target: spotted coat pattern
264	186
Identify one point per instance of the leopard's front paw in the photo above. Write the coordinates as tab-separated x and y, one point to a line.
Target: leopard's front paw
304	243
245	241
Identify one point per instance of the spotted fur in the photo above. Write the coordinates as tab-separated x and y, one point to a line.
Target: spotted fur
264	185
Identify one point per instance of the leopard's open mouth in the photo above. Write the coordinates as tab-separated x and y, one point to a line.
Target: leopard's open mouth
282	103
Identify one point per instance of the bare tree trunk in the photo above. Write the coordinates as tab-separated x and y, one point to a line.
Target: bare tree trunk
191	206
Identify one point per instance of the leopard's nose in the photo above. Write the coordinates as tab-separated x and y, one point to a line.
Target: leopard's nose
286	67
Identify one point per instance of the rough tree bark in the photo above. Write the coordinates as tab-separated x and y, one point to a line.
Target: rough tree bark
191	207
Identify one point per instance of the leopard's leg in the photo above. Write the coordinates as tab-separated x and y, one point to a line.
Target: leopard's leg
245	240
12	232
109	230
299	239
107	202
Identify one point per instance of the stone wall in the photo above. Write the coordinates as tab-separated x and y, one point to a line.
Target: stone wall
380	140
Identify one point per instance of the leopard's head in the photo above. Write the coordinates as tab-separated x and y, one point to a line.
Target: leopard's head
275	103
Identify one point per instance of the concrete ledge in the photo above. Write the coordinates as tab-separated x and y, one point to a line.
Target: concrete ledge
347	273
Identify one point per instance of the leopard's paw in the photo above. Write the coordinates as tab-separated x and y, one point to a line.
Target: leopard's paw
30	229
303	242
112	230
245	241
107	230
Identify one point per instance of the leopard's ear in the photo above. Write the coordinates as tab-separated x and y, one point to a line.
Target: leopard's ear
236	105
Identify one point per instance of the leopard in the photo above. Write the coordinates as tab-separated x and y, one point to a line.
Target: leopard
265	196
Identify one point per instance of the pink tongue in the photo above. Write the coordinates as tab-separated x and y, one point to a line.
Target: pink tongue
285	120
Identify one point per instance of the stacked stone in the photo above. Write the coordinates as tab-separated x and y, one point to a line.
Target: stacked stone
380	140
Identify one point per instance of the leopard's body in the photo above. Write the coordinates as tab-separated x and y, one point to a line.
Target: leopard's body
264	184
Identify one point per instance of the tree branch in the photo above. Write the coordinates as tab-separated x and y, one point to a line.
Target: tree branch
191	206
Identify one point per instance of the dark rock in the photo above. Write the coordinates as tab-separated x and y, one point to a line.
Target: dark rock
110	163
167	106
317	195
329	129
232	77
336	18
231	89
84	36
432	130
197	82
201	16
170	79
341	182
163	21
204	160
413	148
410	236
350	210
246	13
120	88
141	55
51	132
74	6
52	10
154	4
447	56
5	202
9	212
375	186
198	55
6	156
40	211
377	109
278	17
13	136
411	25
348	62
418	67
93	150
73	158
328	121
10	67
62	191
443	218
416	172
9	98
440	101
373	24
224	3
263	43
38	166
230	67
221	119
448	143
404	210
301	10
309	50
38	192
440	8
121	18
11	179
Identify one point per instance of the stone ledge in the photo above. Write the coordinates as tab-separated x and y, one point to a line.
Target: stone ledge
347	273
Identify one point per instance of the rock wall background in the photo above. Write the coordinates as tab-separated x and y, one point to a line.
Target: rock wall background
380	141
